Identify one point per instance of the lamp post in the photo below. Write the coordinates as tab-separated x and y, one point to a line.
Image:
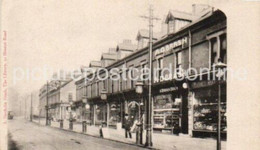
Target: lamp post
84	122
103	96
219	66
71	119
139	132
47	104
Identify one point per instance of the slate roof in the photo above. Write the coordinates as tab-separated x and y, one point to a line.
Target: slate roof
127	46
112	56
145	33
180	15
95	63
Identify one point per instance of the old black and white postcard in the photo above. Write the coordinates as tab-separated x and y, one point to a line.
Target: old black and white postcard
128	74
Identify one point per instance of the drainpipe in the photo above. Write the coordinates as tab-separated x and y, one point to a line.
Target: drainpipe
189	49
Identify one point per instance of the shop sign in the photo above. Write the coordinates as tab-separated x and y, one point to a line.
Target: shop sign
202	84
168	47
170	89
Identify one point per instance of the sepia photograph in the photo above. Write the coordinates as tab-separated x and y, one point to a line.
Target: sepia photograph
128	74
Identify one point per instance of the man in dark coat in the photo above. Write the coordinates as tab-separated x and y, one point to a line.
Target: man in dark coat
127	126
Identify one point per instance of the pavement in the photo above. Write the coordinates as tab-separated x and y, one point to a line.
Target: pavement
25	135
160	140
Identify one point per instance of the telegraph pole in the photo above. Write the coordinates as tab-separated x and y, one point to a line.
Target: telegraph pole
31	115
47	103
25	108
150	101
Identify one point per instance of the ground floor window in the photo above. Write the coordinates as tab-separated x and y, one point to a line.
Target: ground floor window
206	109
101	113
166	111
115	113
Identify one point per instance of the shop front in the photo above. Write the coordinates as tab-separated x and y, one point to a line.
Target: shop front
114	114
170	111
101	113
205	108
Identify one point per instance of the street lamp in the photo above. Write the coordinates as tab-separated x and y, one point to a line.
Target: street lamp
103	94
220	67
71	119
84	122
139	132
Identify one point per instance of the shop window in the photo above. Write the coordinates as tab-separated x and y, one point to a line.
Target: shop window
206	110
166	111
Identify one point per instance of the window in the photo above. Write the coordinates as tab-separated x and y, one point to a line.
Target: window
171	26
97	88
223	48
178	60
140	43
145	76
92	90
160	67
104	84
214	51
120	87
112	86
131	79
70	97
218	47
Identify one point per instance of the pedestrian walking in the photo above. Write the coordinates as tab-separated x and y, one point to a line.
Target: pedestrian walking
127	127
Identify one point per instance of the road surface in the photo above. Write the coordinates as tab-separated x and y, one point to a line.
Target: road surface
24	135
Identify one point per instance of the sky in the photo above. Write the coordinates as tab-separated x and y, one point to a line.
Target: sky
66	34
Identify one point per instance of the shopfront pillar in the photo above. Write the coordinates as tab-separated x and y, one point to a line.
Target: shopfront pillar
108	114
60	112
94	114
190	112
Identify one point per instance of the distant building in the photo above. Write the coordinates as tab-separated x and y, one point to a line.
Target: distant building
59	93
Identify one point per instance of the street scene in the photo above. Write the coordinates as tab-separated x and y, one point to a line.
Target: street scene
160	85
30	136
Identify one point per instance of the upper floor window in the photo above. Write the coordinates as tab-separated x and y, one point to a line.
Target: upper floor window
178	60
112	86
70	97
97	88
120	82
171	26
144	72
104	85
131	79
218	48
160	66
223	48
214	50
